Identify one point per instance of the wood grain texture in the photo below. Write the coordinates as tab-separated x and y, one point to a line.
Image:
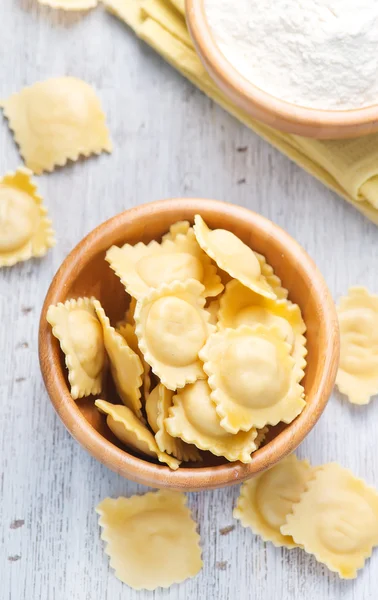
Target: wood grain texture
169	141
85	273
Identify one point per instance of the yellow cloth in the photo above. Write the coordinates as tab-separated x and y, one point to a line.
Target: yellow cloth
349	167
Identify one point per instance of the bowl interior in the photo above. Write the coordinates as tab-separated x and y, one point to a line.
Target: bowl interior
277	113
86	273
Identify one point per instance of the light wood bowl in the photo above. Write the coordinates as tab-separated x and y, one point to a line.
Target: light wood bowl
86	273
313	123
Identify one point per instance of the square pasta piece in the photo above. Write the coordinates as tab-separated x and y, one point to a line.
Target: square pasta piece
253	377
25	231
357	376
151	540
70	4
267	499
56	120
336	520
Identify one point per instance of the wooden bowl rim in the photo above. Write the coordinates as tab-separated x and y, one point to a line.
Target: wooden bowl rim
140	470
215	61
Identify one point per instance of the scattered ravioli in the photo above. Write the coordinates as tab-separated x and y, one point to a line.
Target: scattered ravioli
79	332
232	256
142	267
125	364
151	539
193	418
25	231
267	499
56	120
241	306
172	326
357	377
70	4
133	433
336	520
254	379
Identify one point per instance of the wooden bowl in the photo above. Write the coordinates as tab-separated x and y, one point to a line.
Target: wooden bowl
85	273
308	122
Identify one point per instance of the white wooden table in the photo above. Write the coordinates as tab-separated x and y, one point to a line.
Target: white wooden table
169	140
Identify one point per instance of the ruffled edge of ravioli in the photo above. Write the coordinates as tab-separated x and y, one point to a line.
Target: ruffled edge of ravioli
237	447
249	516
261	436
76	373
260	285
166	442
21	180
296	521
148	502
253	417
237	297
213	309
358	389
104	142
190	291
178	228
123	415
61	4
128	333
114	341
271	278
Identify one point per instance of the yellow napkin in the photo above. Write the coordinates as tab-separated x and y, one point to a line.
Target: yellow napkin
349	167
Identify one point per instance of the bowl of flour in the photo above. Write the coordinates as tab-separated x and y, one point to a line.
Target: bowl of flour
308	67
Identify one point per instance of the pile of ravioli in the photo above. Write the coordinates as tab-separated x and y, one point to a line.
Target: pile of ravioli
323	510
211	325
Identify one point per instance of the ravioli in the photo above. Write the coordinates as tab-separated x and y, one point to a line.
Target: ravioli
56	120
254	380
193	418
172	326
132	432
336	520
241	306
158	406
151	539
232	256
79	332
358	370
125	365
25	230
142	267
267	499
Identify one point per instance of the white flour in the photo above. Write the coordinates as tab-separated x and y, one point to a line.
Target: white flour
315	53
